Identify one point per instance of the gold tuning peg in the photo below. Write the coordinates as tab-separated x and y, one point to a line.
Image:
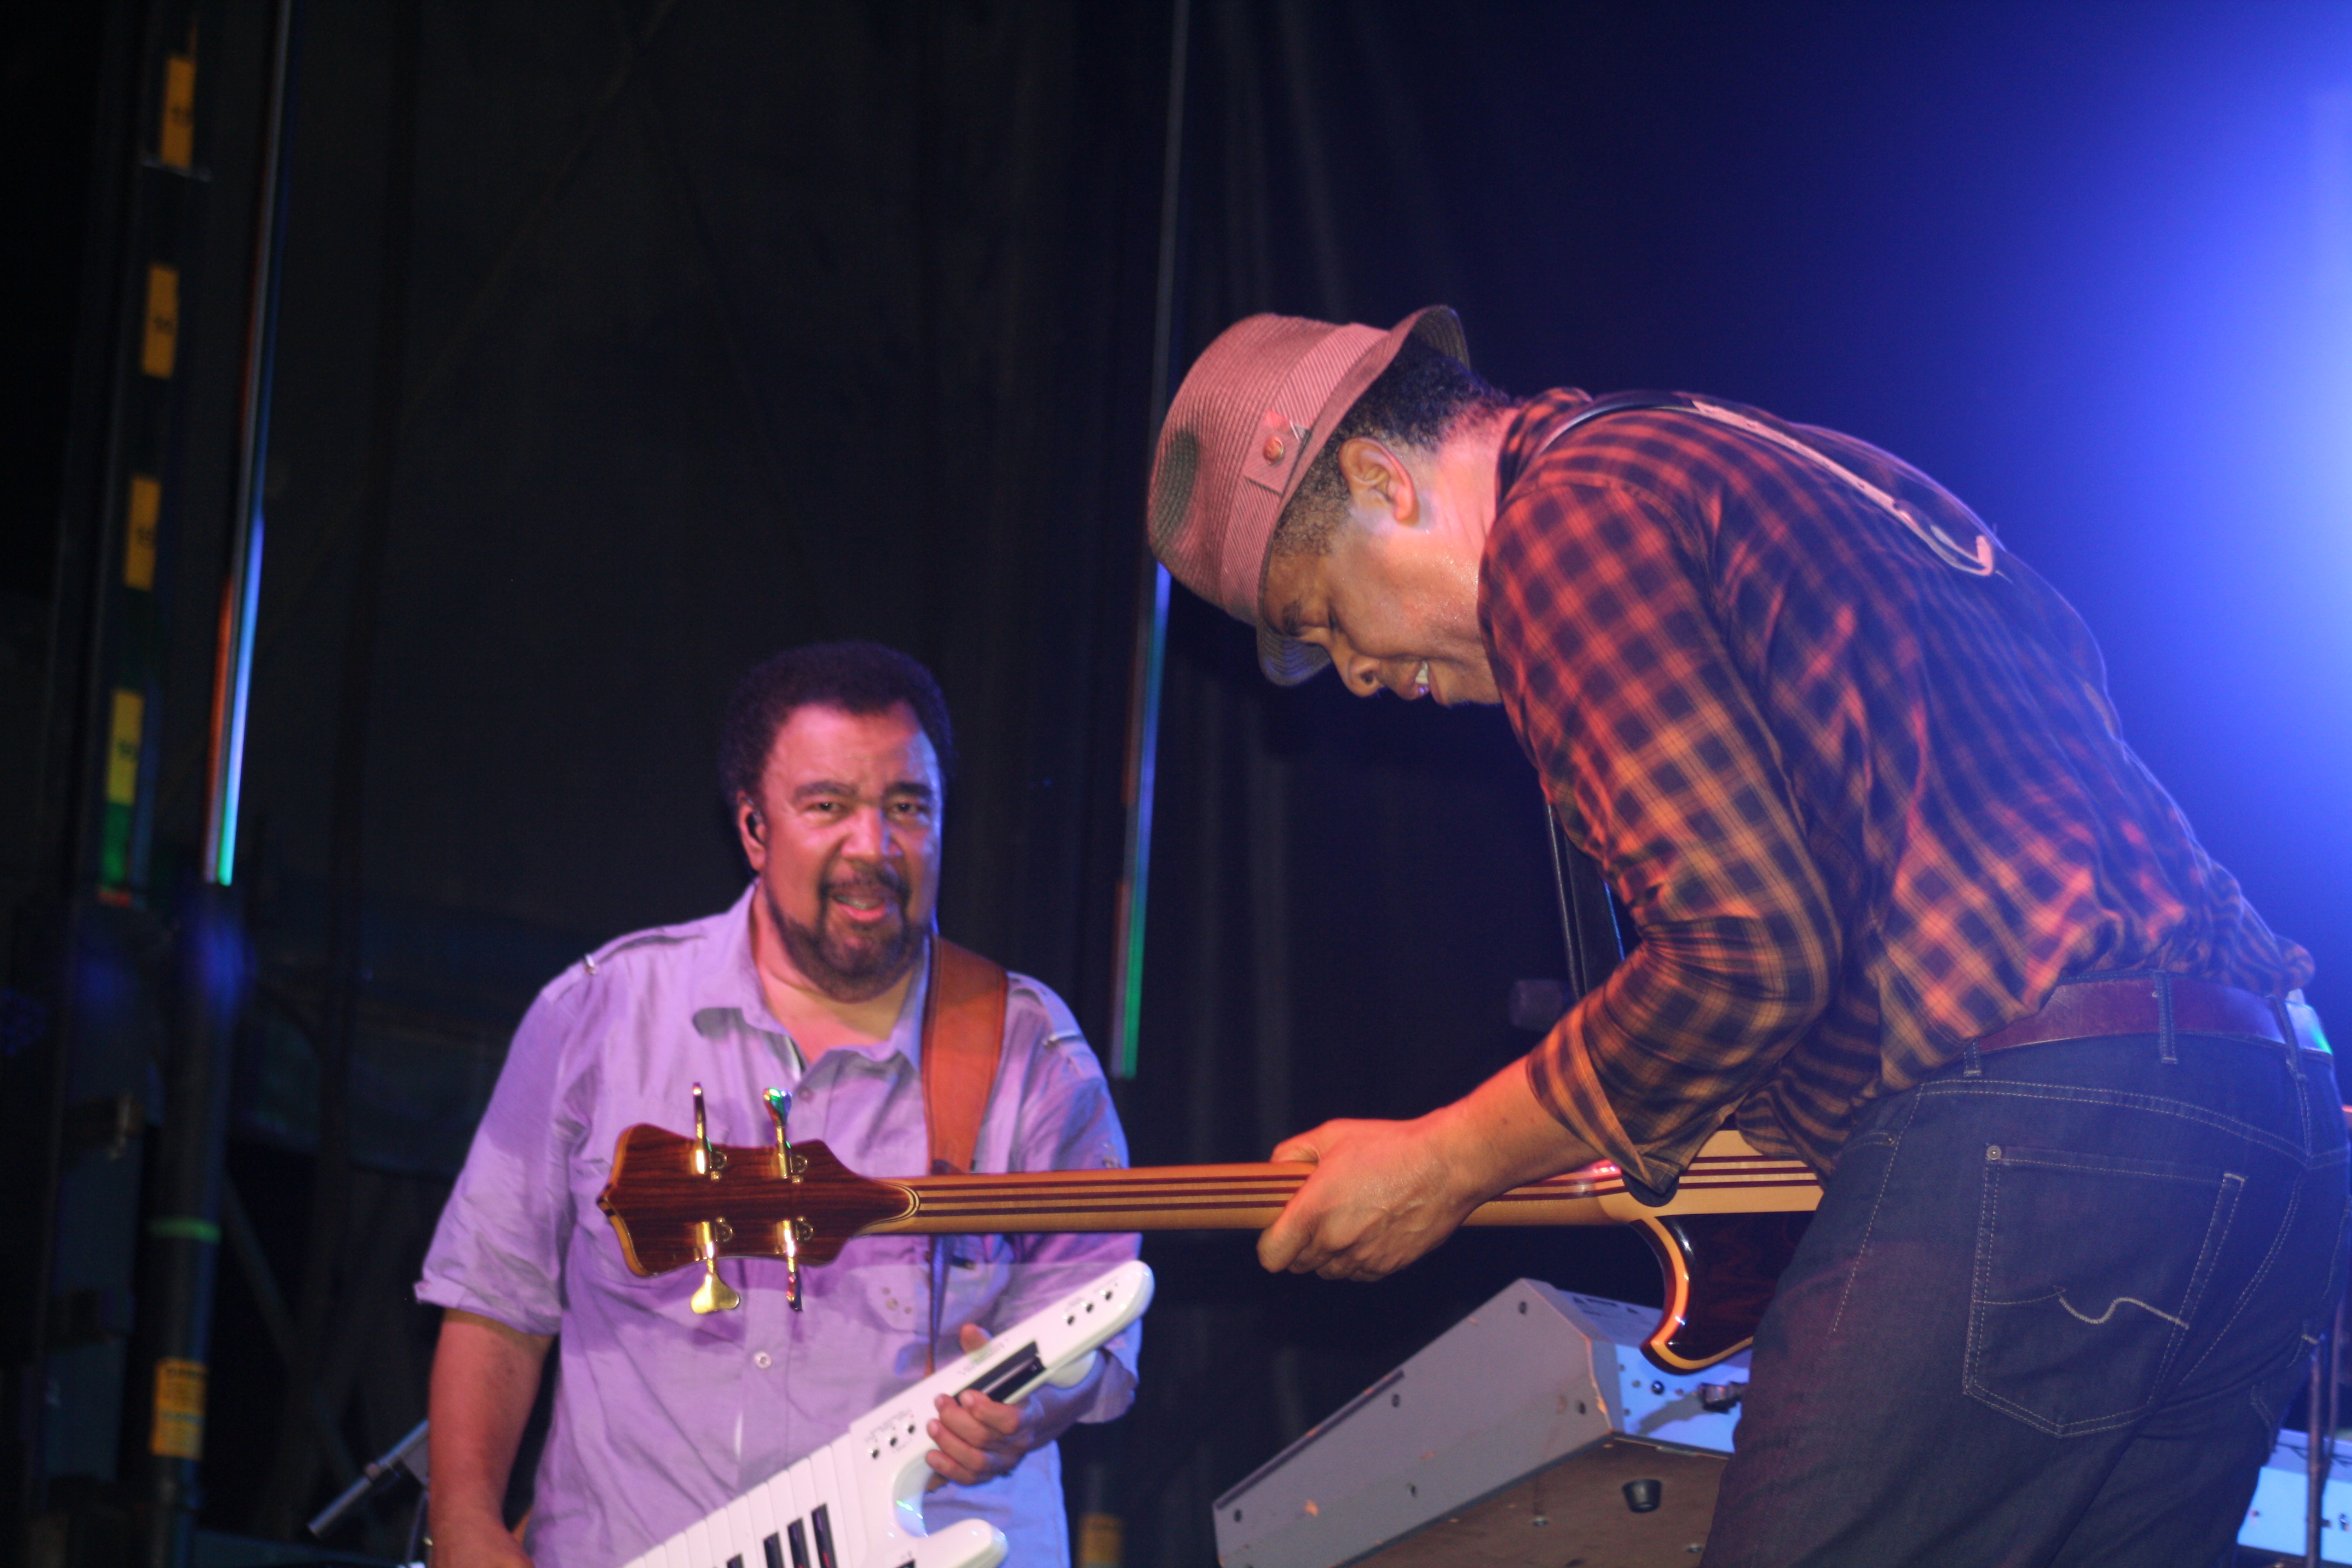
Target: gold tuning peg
790	1166
714	1294
708	1161
790	1230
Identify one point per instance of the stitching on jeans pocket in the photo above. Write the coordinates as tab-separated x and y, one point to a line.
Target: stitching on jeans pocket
2122	1099
1893	1142
2084	1291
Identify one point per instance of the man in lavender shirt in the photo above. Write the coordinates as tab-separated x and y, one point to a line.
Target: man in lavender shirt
835	761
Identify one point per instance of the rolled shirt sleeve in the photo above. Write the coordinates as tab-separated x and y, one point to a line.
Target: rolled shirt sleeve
498	1251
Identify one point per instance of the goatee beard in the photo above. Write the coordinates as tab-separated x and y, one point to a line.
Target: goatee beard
852	966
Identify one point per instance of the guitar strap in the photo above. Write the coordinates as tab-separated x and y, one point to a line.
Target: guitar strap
963	1041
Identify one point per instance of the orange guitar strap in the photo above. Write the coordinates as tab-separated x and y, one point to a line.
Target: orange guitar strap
963	1041
963	1038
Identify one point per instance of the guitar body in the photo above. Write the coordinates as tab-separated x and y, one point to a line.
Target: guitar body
1721	1243
1720	1270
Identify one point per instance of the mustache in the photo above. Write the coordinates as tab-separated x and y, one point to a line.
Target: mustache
868	879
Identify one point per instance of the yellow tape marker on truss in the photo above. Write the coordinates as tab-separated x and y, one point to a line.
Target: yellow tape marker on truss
122	747
175	143
179	1429
162	336
139	546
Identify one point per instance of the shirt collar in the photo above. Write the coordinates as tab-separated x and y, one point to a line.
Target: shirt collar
729	980
1528	435
1530	428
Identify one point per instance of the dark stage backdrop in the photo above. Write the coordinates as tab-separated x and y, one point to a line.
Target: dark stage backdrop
678	331
728	327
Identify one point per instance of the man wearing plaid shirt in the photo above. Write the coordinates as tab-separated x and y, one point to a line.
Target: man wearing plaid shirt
1908	907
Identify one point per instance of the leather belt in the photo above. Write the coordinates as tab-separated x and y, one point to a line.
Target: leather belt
2136	1004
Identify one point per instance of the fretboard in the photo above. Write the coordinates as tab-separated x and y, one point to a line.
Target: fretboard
1727	1177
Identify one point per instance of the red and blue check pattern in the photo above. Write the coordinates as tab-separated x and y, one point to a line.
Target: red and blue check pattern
1863	806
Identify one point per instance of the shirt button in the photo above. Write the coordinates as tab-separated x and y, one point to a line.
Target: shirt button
762	1361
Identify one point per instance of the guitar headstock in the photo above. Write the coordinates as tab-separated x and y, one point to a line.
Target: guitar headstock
661	1196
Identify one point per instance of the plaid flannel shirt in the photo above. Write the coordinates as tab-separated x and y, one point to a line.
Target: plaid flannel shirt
1864	807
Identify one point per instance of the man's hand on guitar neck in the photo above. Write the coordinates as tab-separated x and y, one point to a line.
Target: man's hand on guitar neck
979	1440
1384	1193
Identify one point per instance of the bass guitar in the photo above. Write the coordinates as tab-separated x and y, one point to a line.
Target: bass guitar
676	1201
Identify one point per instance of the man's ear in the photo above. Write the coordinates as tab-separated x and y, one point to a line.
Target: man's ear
1378	479
751	832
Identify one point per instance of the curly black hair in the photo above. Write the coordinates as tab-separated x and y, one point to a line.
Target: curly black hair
854	676
1417	402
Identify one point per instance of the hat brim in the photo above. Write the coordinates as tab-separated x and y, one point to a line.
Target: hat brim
1287	661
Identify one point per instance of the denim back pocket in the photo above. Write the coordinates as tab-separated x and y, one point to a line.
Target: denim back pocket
2089	1270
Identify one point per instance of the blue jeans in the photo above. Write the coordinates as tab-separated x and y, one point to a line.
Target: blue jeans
2050	1311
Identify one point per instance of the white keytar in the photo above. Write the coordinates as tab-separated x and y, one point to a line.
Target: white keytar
857	1503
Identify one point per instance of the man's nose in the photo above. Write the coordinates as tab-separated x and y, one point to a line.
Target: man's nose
869	833
1361	675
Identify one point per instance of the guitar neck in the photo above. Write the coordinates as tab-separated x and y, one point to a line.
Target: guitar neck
1247	1197
1176	1197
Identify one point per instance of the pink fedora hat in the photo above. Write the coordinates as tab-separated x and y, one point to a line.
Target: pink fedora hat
1255	410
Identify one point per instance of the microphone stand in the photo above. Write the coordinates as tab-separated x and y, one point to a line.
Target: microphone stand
2326	1387
410	1456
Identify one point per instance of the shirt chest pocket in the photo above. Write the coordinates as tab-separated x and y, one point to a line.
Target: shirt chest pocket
972	1272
